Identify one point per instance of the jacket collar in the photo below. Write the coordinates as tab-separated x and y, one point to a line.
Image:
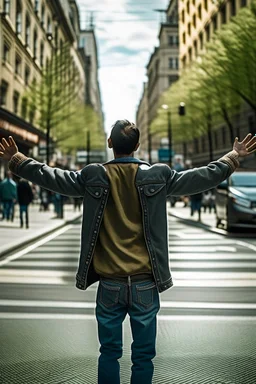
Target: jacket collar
127	160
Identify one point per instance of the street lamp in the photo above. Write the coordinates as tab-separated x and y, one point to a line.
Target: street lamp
169	131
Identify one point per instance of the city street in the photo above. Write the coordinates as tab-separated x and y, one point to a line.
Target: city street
206	326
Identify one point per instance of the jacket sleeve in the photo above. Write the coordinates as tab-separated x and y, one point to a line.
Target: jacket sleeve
201	179
68	183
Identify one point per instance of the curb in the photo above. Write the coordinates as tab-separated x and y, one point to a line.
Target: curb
201	225
21	245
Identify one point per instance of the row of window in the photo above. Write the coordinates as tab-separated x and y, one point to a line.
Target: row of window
18	63
25	111
37	54
221	137
18	15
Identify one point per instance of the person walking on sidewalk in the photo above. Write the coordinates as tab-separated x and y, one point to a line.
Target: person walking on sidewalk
124	241
8	196
196	204
25	197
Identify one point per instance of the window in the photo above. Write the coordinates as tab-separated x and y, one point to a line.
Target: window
6	52
193	2
201	41
49	25
27	34
188	7
243	3
42	15
56	36
223	15
18	17
24	105
184	38
42	54
207	32
173	63
36	7
189	29
32	112
233	7
170	40
214	23
190	54
7	7
194	20
184	61
3	93
27	75
183	16
17	64
16	97
206	5
200	11
195	48
35	44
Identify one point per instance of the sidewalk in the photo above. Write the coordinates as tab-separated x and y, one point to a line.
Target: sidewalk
207	219
40	224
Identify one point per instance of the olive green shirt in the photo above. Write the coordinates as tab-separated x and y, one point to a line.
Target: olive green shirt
121	249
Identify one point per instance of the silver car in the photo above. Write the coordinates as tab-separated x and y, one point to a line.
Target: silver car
236	201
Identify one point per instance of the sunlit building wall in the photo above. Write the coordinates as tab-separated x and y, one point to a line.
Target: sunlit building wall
142	123
162	69
30	32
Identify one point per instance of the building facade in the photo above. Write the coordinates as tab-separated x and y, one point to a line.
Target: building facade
31	31
142	123
198	21
162	71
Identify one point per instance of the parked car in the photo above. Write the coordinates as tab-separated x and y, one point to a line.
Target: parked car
236	201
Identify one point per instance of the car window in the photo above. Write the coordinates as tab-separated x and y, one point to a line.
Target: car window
243	180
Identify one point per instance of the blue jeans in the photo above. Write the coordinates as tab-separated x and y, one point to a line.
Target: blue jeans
8	207
141	301
23	210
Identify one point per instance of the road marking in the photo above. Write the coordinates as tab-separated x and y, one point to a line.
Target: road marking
202	249
209	265
217	256
196	242
39	263
91	305
35	245
64	316
247	245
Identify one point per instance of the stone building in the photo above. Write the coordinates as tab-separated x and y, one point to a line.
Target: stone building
162	71
31	31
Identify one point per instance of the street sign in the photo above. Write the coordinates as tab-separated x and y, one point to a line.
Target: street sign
164	154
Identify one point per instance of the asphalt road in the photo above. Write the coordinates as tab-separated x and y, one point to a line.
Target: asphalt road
206	325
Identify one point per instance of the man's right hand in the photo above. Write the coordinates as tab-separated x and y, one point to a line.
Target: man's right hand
8	148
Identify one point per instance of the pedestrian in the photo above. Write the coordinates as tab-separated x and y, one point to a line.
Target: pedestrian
77	203
25	197
124	236
8	196
44	199
195	204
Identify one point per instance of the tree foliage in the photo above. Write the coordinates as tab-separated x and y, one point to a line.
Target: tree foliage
57	98
214	87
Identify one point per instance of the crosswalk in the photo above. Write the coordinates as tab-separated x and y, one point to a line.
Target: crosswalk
213	275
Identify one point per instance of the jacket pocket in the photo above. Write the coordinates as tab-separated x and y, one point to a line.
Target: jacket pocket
153	189
95	191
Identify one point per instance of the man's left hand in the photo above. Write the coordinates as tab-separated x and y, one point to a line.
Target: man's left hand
245	147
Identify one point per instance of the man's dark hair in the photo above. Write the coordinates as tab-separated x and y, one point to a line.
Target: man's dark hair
124	136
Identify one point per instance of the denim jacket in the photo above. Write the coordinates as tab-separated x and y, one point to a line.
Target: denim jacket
154	184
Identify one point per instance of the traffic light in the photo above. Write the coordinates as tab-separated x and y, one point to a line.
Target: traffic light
182	111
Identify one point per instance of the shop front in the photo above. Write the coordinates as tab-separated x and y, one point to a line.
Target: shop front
25	134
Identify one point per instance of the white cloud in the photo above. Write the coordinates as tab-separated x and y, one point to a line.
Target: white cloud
124	50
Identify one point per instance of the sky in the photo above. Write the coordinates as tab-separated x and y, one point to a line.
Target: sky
126	33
